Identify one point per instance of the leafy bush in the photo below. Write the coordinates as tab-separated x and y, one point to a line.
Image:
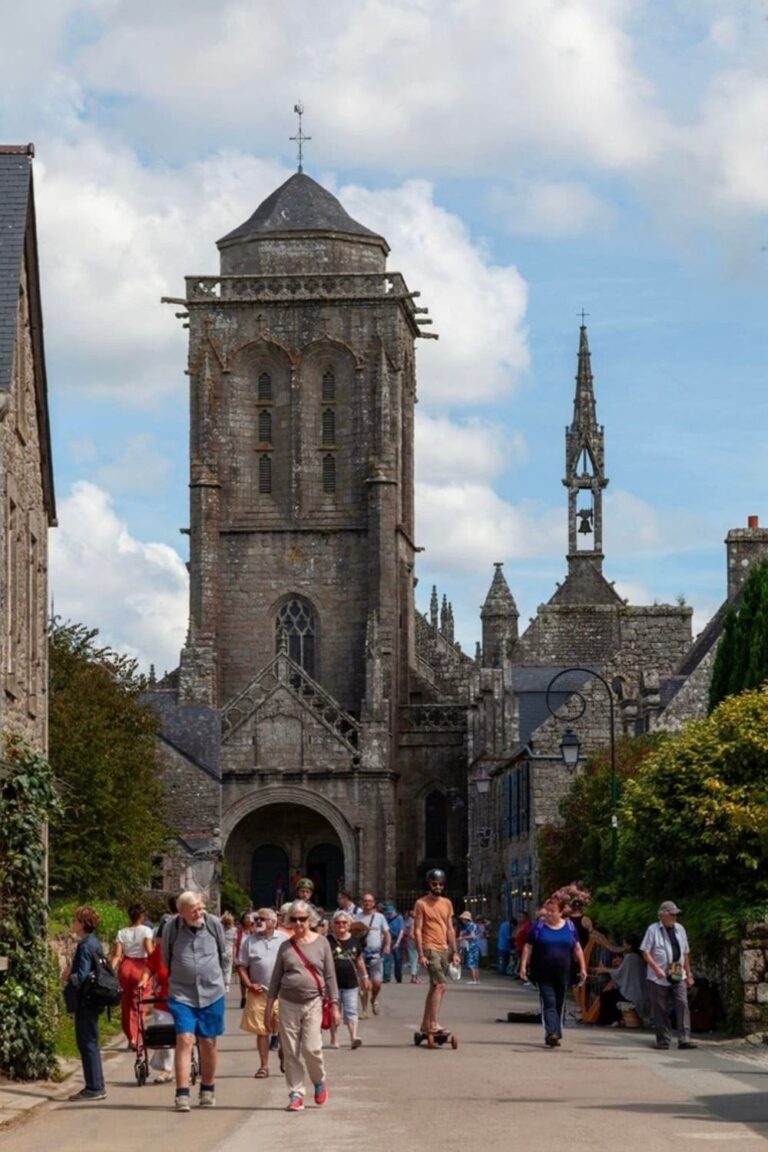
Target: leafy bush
28	992
695	818
233	898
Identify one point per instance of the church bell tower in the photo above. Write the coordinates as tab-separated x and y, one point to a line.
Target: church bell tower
585	476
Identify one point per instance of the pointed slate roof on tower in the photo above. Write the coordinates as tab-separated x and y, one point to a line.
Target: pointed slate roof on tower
301	205
499	601
584	432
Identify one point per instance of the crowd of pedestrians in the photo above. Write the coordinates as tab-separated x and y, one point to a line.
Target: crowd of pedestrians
302	971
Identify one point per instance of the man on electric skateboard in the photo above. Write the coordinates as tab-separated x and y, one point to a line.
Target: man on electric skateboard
435	940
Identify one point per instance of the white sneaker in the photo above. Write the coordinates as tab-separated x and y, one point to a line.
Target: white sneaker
207	1098
183	1104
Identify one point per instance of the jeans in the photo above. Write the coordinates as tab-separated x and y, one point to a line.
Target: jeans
503	958
396	959
413	958
87	1037
552	1000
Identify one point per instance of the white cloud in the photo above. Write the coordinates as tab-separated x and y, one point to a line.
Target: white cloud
550	208
115	236
473	449
467	527
553	76
134	592
478	307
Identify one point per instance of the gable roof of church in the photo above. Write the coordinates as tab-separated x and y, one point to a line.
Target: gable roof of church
301	205
18	240
15	176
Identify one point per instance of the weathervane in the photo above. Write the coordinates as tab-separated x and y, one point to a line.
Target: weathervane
300	138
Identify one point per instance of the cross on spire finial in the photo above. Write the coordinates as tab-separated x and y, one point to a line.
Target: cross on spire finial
583	314
300	138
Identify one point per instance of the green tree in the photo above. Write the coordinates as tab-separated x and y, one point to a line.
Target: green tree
29	989
742	656
578	846
694	820
102	749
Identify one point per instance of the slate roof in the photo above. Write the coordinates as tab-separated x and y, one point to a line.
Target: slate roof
15	184
300	205
18	241
530	686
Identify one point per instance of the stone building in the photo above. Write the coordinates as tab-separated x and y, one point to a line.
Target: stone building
516	771
27	507
316	723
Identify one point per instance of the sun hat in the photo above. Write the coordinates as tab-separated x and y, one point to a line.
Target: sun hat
668	906
465	916
305	883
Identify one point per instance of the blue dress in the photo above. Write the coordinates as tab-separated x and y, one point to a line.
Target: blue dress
470	945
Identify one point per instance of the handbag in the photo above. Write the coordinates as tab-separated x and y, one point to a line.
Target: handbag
325	1022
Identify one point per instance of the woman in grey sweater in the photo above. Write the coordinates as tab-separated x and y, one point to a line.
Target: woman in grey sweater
304	975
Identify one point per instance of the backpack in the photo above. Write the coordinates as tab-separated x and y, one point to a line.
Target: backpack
103	987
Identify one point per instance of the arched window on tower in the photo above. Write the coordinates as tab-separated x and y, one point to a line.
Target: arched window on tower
329	426
265	475
296	622
265	387
329	474
265	427
435	826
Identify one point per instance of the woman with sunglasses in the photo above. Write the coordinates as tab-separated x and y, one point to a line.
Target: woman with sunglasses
304	975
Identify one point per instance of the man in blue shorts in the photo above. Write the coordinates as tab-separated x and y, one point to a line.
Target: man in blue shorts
194	951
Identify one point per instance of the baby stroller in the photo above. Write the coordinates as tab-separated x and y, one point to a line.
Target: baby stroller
154	1036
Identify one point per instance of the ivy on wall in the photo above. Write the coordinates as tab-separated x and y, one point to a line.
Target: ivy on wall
29	987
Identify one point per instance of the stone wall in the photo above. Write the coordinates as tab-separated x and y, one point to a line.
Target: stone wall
753	970
24	534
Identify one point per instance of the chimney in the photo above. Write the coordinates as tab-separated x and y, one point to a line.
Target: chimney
744	547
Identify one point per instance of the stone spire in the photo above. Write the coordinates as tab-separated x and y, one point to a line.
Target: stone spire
585	476
499	616
433	608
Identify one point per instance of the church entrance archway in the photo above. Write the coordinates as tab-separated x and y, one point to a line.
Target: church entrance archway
269	875
273	845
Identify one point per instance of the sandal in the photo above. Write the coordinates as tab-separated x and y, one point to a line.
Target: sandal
261	1074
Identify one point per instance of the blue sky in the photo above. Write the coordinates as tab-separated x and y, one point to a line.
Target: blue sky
525	158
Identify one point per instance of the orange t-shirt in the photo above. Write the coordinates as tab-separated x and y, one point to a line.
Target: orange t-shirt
436	918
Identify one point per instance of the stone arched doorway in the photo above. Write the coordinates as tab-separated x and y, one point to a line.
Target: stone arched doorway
273	835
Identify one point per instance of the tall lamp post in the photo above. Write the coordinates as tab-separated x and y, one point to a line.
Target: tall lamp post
570	746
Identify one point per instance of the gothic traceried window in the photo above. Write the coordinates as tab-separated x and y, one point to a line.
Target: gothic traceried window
265	475
296	622
265	387
265	427
329	474
329	426
329	386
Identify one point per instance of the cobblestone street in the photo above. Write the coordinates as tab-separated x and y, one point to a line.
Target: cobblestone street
604	1089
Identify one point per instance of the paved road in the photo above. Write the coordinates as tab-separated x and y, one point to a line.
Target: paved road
603	1090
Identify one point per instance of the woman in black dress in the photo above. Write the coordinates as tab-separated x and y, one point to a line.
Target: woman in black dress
351	974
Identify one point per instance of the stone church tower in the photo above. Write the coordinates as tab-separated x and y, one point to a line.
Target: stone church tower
282	730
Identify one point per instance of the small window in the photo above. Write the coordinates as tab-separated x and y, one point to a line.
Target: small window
329	386
329	473
265	386
329	426
297	624
265	427
265	475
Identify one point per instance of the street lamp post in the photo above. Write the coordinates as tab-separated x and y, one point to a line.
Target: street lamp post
570	746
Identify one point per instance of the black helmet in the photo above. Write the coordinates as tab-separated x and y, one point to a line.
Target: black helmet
436	874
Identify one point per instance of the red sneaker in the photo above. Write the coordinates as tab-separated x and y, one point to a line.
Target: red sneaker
295	1103
321	1093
